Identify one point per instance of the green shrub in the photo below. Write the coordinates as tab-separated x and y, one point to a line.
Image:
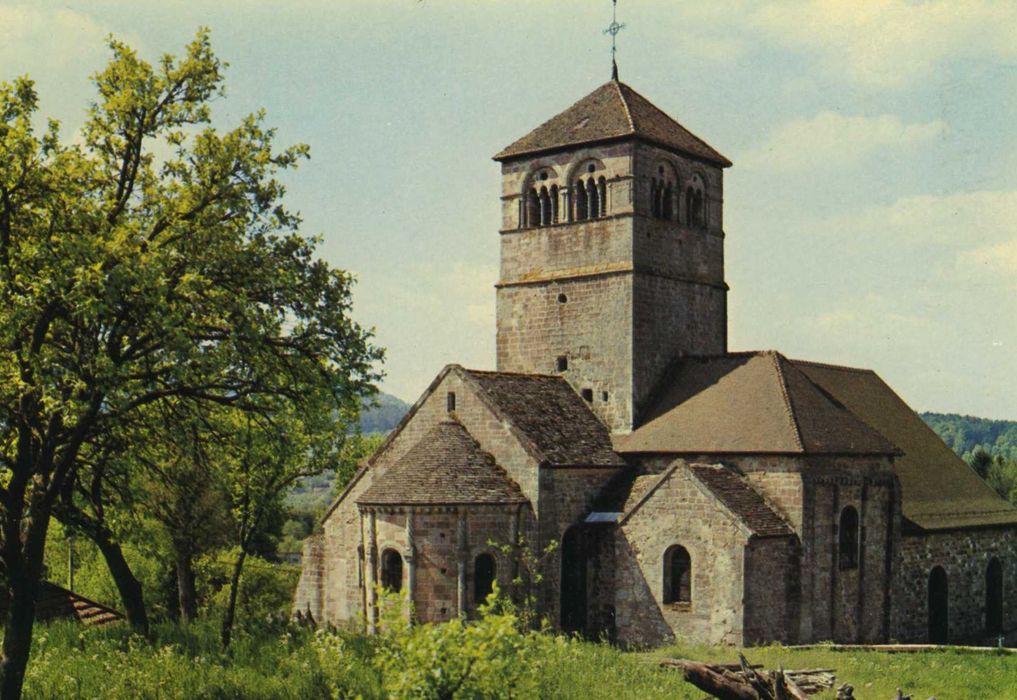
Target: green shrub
266	588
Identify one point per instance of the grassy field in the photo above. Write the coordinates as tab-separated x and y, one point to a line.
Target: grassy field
71	662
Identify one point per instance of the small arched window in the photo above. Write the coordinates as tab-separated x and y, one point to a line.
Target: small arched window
662	192
677	575
848	538
695	203
485	570
589	192
391	571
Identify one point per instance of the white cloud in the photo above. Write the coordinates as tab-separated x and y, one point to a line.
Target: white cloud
835	140
995	260
61	35
891	43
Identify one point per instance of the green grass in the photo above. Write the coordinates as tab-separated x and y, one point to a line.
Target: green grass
73	662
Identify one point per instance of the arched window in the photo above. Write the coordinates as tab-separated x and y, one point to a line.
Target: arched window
532	208
695	203
939	606
554	204
582	207
484	571
602	195
664	186
994	597
391	571
677	575
593	199
848	532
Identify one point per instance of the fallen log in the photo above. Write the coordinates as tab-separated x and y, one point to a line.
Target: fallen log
744	680
712	682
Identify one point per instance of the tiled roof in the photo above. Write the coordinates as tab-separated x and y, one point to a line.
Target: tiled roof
612	111
551	415
56	602
748	403
741	499
938	489
444	467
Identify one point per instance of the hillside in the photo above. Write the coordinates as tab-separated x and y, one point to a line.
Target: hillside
965	433
383	416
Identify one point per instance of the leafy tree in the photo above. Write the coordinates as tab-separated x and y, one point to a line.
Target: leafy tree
126	283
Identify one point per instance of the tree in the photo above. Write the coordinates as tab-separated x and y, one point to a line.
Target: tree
126	283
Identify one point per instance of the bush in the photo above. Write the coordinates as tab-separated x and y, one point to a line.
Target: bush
266	588
489	657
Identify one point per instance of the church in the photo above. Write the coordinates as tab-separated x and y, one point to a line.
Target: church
641	481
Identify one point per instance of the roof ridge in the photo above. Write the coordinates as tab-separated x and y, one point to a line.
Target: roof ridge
503	373
625	104
830	365
782	383
673	121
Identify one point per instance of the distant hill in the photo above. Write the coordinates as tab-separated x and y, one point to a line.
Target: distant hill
965	433
384	416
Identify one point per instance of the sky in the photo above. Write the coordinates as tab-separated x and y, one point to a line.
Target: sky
871	213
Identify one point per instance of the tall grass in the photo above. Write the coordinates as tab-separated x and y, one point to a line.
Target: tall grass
69	661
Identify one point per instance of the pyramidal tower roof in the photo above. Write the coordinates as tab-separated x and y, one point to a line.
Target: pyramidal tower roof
612	111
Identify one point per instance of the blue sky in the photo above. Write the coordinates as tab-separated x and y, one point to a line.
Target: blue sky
871	213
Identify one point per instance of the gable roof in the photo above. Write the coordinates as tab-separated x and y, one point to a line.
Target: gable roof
612	111
741	499
756	402
446	466
548	412
939	490
626	493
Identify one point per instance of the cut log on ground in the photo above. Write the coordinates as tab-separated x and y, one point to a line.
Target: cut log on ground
745	681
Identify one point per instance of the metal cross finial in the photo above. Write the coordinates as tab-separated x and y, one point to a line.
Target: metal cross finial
613	30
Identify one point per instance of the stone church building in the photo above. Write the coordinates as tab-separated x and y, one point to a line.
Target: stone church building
693	493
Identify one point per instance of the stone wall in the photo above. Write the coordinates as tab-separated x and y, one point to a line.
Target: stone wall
680	512
588	321
964	555
307	598
845	604
772	590
567	495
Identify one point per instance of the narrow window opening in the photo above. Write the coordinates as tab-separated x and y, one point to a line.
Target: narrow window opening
391	571
562	363
587	394
849	539
484	572
450	401
603	395
677	575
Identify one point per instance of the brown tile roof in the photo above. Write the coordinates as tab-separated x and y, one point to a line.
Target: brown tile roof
548	412
939	490
748	403
612	111
741	499
56	602
445	467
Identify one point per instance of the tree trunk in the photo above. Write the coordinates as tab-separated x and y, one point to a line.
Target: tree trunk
17	635
131	592
231	607
24	571
186	595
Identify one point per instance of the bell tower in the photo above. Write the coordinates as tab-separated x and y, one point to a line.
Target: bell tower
612	251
